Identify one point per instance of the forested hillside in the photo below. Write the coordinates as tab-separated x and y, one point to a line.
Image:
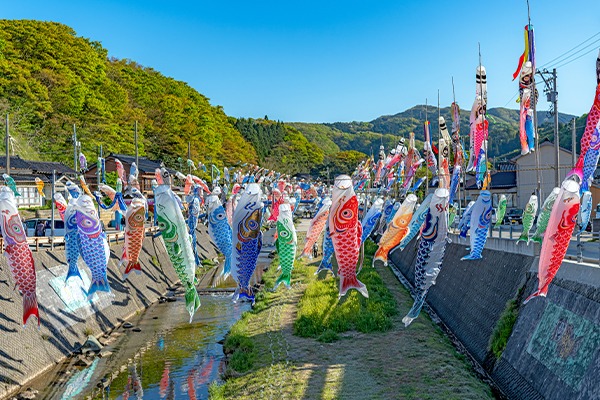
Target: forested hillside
51	79
279	146
366	137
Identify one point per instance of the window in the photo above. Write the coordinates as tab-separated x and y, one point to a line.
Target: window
510	199
30	197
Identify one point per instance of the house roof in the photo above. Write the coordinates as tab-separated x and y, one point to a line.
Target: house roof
46	167
16	162
29	178
500	180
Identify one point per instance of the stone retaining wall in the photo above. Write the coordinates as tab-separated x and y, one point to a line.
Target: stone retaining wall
553	351
26	353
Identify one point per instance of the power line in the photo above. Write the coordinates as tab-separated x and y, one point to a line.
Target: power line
568	62
587	40
515	95
567	58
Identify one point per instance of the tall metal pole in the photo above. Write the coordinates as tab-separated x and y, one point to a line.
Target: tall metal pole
75	149
574	144
7	148
190	156
425	153
137	159
52	212
440	156
554	99
483	111
535	124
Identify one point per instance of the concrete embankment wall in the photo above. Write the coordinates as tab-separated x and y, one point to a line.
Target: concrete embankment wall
553	351
25	353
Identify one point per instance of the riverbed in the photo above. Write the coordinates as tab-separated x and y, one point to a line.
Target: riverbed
169	358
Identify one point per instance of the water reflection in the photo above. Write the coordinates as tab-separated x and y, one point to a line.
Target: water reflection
169	359
79	381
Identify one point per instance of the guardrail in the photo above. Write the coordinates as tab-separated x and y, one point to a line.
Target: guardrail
36	242
587	240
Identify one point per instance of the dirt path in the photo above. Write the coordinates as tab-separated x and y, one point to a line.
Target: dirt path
417	362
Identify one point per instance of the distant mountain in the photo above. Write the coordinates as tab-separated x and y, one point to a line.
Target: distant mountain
366	137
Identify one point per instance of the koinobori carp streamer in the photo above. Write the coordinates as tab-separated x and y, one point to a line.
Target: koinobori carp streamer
18	254
346	233
558	234
176	238
432	248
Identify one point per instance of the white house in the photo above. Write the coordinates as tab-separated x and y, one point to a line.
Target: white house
527	174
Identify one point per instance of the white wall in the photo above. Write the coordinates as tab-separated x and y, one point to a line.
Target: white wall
527	175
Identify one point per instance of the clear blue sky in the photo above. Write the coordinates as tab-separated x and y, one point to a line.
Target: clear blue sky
327	61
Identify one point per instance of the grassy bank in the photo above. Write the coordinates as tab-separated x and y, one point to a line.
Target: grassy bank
320	313
355	348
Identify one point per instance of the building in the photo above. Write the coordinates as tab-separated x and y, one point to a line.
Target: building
503	182
527	173
24	173
146	170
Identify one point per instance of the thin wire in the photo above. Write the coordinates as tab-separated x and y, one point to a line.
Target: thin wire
584	54
536	83
561	61
587	40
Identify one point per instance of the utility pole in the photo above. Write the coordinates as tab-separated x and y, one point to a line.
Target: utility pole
52	213
573	144
137	159
7	148
75	149
554	98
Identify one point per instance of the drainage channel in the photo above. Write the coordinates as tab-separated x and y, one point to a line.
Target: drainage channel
159	355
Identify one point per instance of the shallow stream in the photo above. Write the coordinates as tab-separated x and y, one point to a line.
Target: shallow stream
168	359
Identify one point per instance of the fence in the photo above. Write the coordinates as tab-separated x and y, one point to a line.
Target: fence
583	239
36	242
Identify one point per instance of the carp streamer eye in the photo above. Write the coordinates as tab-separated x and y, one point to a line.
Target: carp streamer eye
220	216
162	226
86	223
284	234
16	228
346	214
252	224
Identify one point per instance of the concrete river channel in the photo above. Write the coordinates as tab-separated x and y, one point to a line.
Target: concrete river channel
161	357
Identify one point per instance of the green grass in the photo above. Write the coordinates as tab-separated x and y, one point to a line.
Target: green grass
240	346
504	327
207	262
320	310
329	336
216	391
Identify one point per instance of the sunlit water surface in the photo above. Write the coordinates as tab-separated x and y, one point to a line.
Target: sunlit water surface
168	359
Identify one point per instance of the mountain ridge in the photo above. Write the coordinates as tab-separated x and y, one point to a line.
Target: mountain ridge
366	137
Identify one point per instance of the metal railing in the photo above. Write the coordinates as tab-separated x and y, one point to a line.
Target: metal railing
512	232
52	242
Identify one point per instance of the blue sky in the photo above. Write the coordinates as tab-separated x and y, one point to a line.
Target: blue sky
327	61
